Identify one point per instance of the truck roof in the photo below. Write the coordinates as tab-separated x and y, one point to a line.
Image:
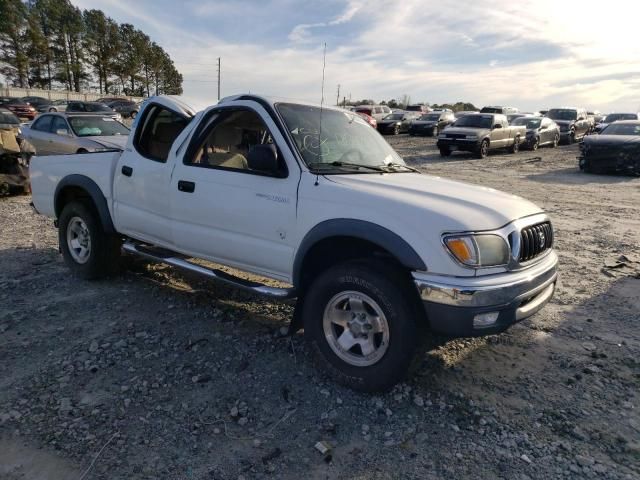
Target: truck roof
272	101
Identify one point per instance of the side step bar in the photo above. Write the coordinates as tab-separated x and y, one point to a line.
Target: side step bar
171	258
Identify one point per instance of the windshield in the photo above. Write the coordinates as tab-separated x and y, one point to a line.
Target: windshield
97	126
559	114
622	129
430	117
394	116
475	121
491	110
614	117
530	123
342	137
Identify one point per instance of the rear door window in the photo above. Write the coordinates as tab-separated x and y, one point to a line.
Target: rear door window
42	124
157	131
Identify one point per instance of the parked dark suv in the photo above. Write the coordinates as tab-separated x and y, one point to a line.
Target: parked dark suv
573	123
431	123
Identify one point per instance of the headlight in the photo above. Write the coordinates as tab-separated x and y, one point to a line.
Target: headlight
478	250
471	137
398	123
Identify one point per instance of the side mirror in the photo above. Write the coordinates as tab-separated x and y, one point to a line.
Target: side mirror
62	131
497	125
263	158
543	127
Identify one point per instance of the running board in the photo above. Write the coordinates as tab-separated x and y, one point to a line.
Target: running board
171	258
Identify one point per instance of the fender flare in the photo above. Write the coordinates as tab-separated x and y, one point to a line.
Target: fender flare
371	232
94	192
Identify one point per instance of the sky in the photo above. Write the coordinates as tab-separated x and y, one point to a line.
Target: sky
528	54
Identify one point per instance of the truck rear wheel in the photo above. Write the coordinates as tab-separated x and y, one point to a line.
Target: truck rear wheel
360	323
515	148
87	250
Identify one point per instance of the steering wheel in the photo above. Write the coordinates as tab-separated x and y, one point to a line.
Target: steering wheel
349	152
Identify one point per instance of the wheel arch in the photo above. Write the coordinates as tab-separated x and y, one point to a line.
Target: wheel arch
352	238
77	186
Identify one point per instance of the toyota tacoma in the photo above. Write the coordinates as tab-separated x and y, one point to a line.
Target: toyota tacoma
311	196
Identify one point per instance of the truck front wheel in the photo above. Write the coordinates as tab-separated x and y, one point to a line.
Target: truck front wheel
360	323
87	250
483	149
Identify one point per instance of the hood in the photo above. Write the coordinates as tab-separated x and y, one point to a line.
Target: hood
118	142
613	140
460	206
466	131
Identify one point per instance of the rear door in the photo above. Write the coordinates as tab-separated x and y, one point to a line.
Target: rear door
39	135
142	207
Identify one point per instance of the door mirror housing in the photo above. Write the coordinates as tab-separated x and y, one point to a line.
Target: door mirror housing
263	158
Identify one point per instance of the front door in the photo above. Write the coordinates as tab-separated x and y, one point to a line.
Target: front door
226	210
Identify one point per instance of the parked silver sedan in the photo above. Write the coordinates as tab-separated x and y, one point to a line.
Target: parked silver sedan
63	133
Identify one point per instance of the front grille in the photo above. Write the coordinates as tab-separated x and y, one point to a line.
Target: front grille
456	135
535	240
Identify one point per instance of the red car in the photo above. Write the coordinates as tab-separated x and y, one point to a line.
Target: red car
21	109
369	119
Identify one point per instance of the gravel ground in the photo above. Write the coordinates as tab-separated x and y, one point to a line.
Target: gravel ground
157	374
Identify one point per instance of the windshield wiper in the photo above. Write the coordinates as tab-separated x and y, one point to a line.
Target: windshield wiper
347	164
400	165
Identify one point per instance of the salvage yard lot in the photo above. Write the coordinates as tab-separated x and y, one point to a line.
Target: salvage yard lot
178	378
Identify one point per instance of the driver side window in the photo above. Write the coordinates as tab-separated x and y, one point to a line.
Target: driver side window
231	136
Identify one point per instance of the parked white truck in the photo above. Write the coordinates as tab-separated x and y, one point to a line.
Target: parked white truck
314	198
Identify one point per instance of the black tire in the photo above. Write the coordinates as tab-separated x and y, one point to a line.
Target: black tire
556	141
53	109
483	149
104	250
515	148
535	144
571	138
396	130
82	150
390	290
435	132
445	152
133	115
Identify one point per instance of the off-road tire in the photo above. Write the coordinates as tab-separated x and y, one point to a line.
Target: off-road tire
391	291
104	256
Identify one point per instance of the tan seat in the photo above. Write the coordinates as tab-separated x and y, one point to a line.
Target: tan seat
165	134
223	148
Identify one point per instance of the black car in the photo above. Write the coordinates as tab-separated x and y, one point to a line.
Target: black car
92	107
396	123
540	131
431	123
36	102
614	117
126	108
616	149
573	123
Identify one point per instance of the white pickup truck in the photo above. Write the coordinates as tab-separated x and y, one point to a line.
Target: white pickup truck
314	198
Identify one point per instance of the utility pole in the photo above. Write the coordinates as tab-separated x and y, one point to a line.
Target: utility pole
338	96
219	70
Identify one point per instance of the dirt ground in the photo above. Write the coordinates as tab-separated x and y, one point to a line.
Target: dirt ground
155	374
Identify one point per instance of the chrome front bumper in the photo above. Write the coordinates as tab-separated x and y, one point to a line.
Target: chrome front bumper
452	303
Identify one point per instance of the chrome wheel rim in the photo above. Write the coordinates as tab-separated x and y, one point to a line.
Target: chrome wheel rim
356	328
78	240
484	149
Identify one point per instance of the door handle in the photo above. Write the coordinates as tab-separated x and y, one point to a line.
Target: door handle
127	171
187	187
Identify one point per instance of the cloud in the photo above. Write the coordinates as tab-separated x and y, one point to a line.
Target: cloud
433	51
302	32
